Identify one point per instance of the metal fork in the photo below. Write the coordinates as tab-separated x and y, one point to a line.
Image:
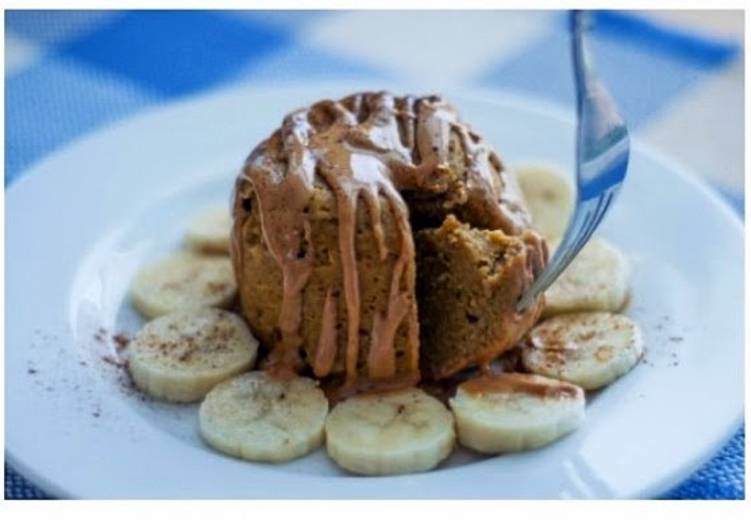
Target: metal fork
602	153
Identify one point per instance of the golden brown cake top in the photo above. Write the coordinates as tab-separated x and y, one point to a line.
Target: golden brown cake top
361	147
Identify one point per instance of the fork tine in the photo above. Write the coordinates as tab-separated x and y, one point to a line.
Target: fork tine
573	245
586	230
602	153
600	210
575	242
606	205
591	224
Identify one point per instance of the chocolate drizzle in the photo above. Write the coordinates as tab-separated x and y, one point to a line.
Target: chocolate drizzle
368	147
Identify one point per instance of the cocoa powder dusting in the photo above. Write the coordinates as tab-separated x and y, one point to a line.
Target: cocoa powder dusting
121	342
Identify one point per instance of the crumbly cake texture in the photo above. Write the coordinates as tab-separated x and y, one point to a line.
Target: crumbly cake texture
468	285
327	213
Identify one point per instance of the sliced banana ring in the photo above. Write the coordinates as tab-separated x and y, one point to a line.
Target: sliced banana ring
597	279
183	281
181	356
591	349
257	418
209	232
549	196
514	412
391	433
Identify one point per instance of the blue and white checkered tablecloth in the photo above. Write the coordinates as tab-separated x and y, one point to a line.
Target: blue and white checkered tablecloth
69	72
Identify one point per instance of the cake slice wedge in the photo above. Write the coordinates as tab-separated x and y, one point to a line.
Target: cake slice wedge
468	283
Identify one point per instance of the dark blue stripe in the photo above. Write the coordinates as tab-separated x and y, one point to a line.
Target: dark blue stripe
735	199
708	52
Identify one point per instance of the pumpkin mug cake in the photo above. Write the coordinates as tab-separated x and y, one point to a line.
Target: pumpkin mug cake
378	247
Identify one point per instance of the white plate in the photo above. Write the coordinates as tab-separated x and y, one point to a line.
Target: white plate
80	222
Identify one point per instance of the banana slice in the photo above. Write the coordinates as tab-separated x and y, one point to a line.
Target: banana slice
183	281
597	279
391	433
549	196
512	412
255	417
209	231
590	349
181	356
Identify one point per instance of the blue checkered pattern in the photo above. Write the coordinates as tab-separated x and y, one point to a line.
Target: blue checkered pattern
70	72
